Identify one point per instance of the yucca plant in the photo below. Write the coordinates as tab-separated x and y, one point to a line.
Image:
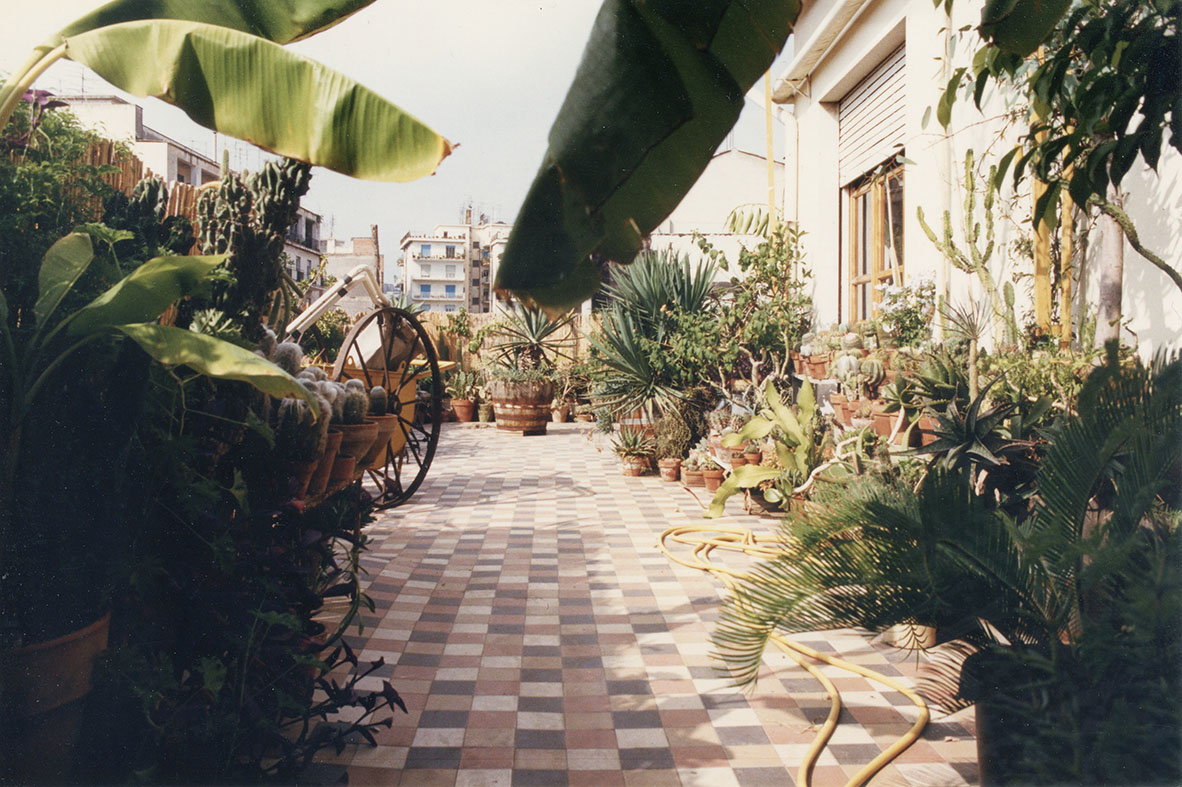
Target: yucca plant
1061	600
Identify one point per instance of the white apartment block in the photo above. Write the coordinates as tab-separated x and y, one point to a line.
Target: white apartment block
453	267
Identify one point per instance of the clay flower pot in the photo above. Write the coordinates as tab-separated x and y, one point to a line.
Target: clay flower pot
691	477
342	472
753	457
635	465
738	458
670	468
376	455
713	479
319	480
357	439
302	473
465	409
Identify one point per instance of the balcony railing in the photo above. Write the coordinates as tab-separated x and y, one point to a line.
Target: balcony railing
438	296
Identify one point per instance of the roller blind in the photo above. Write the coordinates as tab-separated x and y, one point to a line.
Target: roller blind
870	119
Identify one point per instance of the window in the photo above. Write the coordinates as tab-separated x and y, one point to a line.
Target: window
451	307
425	270
449	251
425	250
876	240
425	290
449	271
476	282
426	307
449	290
476	244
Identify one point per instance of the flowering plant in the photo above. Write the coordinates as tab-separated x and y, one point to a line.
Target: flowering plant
906	311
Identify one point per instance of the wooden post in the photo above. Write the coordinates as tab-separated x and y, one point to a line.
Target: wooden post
1042	248
1066	252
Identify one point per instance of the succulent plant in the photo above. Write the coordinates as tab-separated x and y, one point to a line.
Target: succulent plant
852	341
378	399
267	344
289	356
354	385
874	371
846	365
298	435
355	405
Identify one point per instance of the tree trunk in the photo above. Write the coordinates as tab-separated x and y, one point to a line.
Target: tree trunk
1111	254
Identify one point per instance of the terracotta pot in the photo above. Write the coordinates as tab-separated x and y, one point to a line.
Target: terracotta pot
357	439
883	423
798	364
818	366
43	690
319	480
753	457
924	432
342	473
465	409
713	479
738	459
484	411
522	407
585	417
376	455
302	473
670	468
559	414
691	477
635	465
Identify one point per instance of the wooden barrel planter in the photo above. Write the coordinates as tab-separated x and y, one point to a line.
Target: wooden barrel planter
522	406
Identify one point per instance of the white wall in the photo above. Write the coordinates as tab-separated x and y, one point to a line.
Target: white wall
934	182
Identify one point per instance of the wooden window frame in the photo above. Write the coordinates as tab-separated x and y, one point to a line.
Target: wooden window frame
874	188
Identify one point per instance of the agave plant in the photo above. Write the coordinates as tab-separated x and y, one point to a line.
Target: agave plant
530	339
1061	600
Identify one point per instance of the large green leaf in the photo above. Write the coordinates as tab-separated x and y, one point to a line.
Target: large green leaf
144	293
1019	26
255	90
66	260
742	477
281	21
214	357
660	85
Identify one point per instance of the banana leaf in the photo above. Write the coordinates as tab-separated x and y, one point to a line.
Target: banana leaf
255	90
660	85
214	358
281	21
1019	26
144	293
742	477
64	263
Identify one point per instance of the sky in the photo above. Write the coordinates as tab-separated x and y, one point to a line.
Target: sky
489	75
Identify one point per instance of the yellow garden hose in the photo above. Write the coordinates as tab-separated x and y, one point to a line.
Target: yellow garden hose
704	539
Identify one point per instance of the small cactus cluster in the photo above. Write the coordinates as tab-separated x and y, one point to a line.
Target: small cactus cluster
349	402
299	435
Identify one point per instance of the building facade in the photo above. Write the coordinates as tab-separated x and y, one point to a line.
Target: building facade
865	156
453	267
341	257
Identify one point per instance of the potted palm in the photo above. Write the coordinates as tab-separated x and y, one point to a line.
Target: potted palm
527	346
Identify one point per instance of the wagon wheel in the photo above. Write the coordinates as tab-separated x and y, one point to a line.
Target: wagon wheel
389	347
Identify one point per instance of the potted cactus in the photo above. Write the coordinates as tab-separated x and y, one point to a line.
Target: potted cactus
635	448
300	440
350	405
462	388
387	424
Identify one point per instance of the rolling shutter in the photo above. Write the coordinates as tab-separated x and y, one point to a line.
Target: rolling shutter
870	119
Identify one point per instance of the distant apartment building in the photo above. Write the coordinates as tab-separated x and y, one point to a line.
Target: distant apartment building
302	247
453	267
123	121
341	257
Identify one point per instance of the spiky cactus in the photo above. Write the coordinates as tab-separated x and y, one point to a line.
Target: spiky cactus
354	385
354	407
378	400
289	356
873	372
298	437
268	343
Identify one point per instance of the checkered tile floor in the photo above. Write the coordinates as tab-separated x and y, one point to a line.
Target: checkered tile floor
539	638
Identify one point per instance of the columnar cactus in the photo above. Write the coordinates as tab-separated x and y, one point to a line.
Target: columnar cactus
378	400
355	406
289	356
298	437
